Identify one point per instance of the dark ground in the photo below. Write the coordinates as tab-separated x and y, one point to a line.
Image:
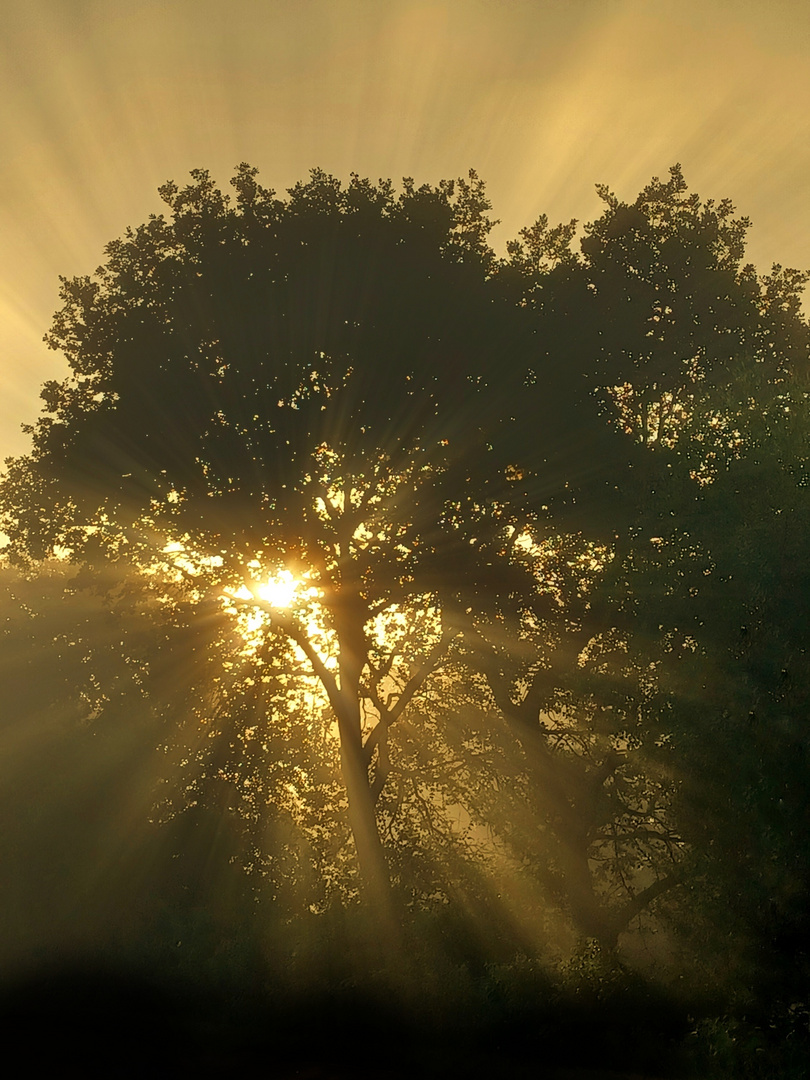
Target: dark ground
100	1021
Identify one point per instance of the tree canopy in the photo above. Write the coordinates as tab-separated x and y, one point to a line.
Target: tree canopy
512	499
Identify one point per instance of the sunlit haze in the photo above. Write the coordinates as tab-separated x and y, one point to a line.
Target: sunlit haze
403	650
101	102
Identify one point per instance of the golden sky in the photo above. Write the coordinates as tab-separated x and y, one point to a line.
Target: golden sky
101	101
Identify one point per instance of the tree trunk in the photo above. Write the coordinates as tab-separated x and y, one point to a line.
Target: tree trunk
374	873
566	822
590	917
344	697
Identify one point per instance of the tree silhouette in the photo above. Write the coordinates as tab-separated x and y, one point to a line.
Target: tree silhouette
472	471
657	329
292	384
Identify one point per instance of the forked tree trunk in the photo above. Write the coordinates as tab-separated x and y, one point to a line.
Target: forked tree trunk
344	697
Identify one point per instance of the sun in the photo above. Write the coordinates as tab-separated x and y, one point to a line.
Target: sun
280	589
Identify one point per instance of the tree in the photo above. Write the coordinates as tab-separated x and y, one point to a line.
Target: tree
287	387
737	682
464	469
672	340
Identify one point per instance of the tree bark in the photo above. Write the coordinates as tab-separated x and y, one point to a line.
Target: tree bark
374	872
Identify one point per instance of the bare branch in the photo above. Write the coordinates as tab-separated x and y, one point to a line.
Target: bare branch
636	834
388	714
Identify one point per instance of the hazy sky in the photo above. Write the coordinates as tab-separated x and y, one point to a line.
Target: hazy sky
101	101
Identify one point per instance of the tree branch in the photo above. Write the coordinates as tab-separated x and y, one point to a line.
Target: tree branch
388	715
641	900
294	632
427	667
383	767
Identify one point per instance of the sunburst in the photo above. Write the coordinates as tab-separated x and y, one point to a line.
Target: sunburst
280	590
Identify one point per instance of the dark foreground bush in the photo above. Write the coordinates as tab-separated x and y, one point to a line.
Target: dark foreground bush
121	1022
